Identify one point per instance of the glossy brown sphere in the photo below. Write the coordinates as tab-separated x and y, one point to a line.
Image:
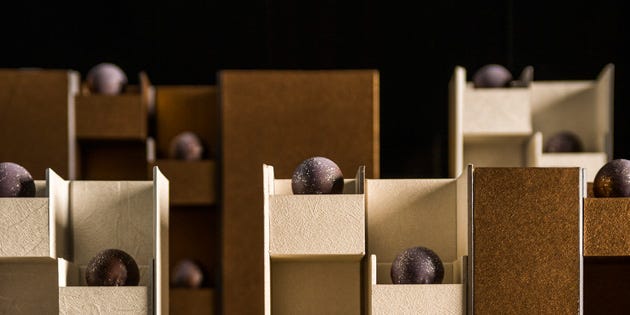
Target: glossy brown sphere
187	274
492	76
613	179
562	142
106	78
317	175
186	146
15	181
112	267
417	265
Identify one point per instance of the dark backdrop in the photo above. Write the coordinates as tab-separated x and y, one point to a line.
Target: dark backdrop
415	48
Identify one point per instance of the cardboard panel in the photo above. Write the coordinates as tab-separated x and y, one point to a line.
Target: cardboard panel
529	220
42	98
282	118
606	225
24	228
104	300
192	182
495	151
161	253
113	160
192	302
28	286
456	121
111	117
505	111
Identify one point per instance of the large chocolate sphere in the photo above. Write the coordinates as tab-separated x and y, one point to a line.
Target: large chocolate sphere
15	181
317	175
564	141
186	146
112	267
613	179
417	265
106	78
492	76
187	274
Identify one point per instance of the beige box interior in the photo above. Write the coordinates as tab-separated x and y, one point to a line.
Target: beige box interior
308	235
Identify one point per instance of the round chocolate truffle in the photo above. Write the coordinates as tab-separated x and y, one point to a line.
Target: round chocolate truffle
492	76
613	179
15	181
417	265
106	78
564	141
317	175
112	267
187	274
186	146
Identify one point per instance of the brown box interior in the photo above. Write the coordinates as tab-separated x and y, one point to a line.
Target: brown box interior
113	160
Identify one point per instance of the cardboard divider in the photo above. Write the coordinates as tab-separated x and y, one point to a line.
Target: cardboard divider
28	286
193	301
193	183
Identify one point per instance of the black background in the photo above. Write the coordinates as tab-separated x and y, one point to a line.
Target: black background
415	48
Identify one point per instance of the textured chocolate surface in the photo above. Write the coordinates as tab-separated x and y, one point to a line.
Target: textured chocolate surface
317	175
492	76
112	267
417	265
613	179
15	181
526	250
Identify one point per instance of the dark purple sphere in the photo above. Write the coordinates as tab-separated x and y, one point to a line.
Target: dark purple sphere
492	76
564	141
186	146
187	274
417	265
112	267
15	181
317	175
106	78
613	179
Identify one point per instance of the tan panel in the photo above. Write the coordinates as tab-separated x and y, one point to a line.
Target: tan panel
192	302
496	111
282	118
29	286
24	228
121	116
104	300
526	241
606	226
193	183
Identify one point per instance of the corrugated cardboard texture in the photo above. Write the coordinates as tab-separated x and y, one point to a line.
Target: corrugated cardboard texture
187	108
192	302
121	116
192	182
34	125
606	285
113	160
282	118
606	227
526	248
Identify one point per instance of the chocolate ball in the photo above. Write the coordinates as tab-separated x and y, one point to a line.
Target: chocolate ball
317	175
112	267
417	265
613	179
15	181
106	78
186	146
187	274
492	76
564	141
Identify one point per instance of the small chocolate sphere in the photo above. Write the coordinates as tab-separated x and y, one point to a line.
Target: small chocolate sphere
564	141
317	175
186	146
492	76
106	78
613	179
187	274
417	265
112	267
15	181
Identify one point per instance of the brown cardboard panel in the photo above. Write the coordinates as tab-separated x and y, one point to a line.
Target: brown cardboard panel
606	226
113	160
526	241
187	108
34	126
606	285
281	118
192	182
192	302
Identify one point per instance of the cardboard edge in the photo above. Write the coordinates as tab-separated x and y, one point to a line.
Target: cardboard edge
160	290
268	189
534	150
58	191
457	85
469	284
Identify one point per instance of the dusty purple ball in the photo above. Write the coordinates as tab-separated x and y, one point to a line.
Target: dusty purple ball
317	175
492	76
186	146
417	265
112	267
187	274
106	78
564	141
613	179
15	181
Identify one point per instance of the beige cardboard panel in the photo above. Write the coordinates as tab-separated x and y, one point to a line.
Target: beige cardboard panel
590	161
530	218
160	210
281	109
104	300
24	227
317	225
495	152
192	182
605	94
404	213
42	98
456	121
28	286
192	302
315	287
58	191
606	226
187	108
429	299
496	111
112	214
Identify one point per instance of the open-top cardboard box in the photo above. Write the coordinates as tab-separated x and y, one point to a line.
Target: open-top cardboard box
83	218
